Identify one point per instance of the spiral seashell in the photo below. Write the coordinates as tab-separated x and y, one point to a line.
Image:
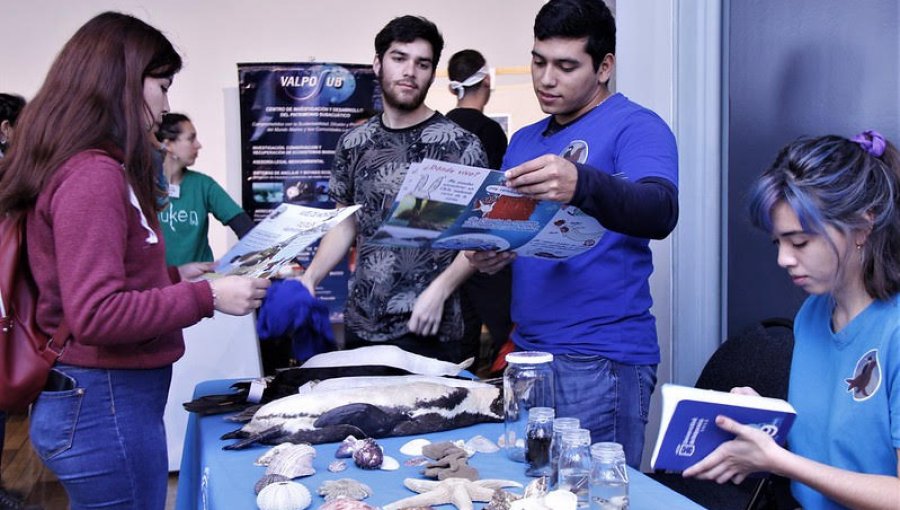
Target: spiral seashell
346	448
368	455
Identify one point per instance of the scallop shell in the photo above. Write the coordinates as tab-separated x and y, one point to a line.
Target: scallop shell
268	479
344	488
482	444
284	496
337	466
389	463
265	458
293	461
414	448
368	455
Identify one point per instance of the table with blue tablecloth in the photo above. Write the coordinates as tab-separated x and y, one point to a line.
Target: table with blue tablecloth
213	478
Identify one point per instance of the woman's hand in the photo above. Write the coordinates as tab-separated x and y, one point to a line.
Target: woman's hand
752	450
194	270
238	295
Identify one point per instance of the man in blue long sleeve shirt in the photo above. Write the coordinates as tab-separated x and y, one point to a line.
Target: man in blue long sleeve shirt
616	161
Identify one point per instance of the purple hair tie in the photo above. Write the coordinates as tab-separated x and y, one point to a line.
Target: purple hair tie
871	141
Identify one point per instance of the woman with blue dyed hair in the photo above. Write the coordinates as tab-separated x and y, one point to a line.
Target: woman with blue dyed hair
832	206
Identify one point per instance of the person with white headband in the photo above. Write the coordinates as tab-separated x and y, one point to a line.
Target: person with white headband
485	298
470	82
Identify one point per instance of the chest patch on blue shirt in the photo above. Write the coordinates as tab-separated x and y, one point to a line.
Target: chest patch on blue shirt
576	151
866	377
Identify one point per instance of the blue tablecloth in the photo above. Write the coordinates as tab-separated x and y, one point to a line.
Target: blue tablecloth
213	478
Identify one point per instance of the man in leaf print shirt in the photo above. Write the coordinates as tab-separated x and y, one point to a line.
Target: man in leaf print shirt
400	296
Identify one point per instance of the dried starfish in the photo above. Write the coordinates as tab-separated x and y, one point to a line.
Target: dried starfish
456	491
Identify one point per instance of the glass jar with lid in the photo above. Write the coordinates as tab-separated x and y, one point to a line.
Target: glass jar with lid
560	425
609	477
574	474
527	383
538	433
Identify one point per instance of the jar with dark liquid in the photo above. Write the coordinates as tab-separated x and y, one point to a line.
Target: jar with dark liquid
538	434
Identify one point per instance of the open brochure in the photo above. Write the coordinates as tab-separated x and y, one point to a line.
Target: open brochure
279	238
448	206
688	430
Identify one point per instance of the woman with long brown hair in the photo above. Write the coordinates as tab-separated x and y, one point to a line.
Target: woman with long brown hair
81	171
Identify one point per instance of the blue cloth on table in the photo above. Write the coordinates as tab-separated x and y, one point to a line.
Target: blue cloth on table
214	478
290	310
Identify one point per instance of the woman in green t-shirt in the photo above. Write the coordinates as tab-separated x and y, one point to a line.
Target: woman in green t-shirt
193	196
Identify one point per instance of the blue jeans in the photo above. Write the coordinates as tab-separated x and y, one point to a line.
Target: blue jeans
611	399
101	432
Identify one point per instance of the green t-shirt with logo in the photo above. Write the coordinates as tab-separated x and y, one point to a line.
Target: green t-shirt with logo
185	221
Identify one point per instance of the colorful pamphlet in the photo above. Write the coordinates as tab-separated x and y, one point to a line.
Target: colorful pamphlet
279	238
448	206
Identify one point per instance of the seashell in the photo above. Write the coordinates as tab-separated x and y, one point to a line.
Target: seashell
414	448
265	458
561	500
465	447
389	463
344	488
482	444
346	448
284	496
346	504
416	461
337	466
537	488
266	480
293	462
501	500
368	455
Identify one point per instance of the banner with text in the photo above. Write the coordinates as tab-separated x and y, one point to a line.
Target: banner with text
291	118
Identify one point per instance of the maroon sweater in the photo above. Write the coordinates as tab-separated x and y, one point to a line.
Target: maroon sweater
90	258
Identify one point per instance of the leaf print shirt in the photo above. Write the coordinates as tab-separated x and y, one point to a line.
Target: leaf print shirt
370	163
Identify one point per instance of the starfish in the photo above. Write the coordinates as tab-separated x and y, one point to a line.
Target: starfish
457	491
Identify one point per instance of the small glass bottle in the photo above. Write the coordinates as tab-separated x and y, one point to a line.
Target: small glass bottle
559	425
609	477
575	465
538	434
527	383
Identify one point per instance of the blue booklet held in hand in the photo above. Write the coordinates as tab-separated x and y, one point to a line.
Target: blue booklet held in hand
688	430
